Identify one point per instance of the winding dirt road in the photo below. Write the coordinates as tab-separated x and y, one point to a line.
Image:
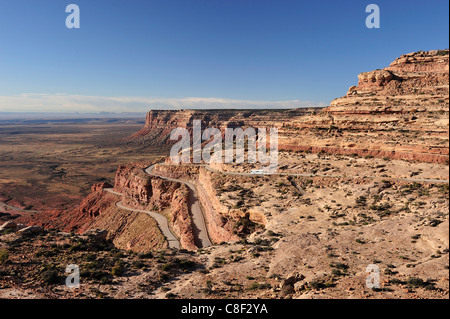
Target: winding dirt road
19	209
162	221
418	180
199	223
200	229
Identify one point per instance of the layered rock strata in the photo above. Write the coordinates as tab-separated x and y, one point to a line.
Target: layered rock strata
399	112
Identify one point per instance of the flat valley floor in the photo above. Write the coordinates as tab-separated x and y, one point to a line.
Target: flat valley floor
53	164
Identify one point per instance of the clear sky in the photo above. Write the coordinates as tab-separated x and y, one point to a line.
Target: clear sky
132	55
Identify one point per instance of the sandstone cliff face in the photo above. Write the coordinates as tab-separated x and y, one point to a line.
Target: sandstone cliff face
140	190
415	82
181	219
398	112
403	108
221	221
127	230
181	171
159	123
220	228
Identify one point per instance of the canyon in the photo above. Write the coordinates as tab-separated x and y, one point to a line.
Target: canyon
362	181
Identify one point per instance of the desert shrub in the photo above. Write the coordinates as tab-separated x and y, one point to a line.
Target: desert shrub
339	266
219	262
396	281
90	257
100	275
408	189
45	253
239	204
105	280
361	201
163	276
4	255
255	286
166	267
139	264
7	231
79	247
415	282
184	264
262	242
316	285
117	254
388	271
50	276
381	207
236	258
337	272
118	269
244	226
444	188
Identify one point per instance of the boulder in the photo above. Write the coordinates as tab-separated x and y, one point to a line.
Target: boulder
300	286
375	78
352	90
287	286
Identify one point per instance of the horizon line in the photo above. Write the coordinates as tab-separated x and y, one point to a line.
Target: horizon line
71	103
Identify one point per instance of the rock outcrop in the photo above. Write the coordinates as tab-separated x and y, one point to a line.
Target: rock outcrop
402	109
415	82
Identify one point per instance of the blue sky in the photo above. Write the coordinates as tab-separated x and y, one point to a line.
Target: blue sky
135	55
